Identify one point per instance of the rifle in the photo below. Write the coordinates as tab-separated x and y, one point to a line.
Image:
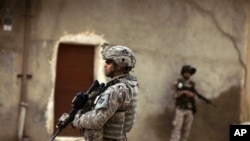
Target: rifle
200	96
193	90
78	102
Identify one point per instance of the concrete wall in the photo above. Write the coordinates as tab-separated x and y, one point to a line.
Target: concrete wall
164	34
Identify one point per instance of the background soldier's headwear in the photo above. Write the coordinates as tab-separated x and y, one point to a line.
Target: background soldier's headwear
188	68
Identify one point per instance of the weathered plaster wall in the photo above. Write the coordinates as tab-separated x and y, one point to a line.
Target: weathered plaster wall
245	98
164	34
10	66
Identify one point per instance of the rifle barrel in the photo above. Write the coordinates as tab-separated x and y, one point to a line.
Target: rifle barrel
54	136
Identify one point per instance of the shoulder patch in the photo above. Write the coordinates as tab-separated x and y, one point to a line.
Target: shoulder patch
102	102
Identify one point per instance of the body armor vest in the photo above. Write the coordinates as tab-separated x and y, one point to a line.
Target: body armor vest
122	121
182	101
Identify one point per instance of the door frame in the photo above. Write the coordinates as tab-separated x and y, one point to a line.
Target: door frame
80	39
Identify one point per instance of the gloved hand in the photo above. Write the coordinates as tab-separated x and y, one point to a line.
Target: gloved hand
75	123
79	100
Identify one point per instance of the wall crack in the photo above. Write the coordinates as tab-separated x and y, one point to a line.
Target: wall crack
224	33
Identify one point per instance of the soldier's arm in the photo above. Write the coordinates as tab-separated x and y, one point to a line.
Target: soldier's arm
174	88
106	106
189	94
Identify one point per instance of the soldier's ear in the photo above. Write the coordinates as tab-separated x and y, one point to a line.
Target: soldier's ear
117	67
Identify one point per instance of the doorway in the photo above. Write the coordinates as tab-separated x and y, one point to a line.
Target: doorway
74	73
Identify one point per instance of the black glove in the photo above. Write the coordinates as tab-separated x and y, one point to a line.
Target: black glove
79	100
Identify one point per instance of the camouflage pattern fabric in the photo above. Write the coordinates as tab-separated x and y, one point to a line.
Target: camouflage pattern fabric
122	55
110	111
182	124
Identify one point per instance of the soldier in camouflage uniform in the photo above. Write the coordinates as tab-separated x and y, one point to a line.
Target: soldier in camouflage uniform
113	111
185	105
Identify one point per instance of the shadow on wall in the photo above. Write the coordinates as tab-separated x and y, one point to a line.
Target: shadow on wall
210	123
161	124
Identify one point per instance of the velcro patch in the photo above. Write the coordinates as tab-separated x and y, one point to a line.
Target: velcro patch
102	102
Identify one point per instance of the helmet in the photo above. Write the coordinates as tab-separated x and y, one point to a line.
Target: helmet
121	55
188	68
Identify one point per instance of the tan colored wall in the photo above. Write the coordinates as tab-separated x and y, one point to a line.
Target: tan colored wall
165	34
11	44
245	99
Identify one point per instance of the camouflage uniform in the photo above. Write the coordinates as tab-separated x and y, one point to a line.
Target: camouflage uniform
183	114
113	114
113	111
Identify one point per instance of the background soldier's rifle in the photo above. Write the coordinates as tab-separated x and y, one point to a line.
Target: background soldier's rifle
200	96
78	102
193	90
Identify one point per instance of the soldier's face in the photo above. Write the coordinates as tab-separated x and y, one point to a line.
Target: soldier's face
186	75
109	68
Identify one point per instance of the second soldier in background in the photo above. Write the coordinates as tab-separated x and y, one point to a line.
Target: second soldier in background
185	104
